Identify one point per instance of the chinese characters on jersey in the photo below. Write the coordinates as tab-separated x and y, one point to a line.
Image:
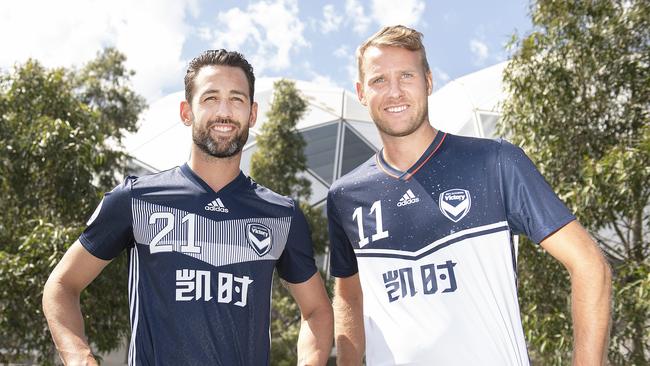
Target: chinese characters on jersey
195	285
402	282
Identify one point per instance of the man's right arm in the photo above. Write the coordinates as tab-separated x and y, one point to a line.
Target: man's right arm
348	321
61	305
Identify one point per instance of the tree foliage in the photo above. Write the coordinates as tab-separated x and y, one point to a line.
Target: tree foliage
579	103
279	164
59	129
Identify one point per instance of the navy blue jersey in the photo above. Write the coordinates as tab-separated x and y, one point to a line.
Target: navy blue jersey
434	251
200	264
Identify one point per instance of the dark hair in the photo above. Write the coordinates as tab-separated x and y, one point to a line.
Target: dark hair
216	58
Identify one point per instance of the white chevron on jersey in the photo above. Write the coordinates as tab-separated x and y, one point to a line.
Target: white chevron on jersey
455	210
438	243
221	242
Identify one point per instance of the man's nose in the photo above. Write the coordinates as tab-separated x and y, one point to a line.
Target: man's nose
395	88
224	110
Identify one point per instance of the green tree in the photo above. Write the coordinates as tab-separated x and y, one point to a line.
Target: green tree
59	129
579	103
279	164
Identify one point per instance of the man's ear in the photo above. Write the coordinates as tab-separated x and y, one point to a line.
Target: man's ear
252	119
186	113
360	93
429	78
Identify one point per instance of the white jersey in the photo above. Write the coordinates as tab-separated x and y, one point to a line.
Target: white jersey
434	251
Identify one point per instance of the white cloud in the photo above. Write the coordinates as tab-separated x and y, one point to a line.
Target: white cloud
204	33
390	12
271	29
353	73
194	8
149	32
317	78
342	52
357	17
351	70
383	12
152	34
480	51
440	77
331	21
449	17
323	80
58	34
238	26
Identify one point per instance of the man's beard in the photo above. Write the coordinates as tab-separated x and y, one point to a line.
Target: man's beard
219	148
414	124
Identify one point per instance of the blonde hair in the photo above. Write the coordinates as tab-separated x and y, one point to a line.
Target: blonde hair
394	36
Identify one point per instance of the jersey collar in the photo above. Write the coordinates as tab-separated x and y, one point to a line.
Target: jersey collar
239	180
428	153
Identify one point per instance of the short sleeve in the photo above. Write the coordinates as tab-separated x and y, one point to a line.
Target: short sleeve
532	208
343	261
110	230
296	264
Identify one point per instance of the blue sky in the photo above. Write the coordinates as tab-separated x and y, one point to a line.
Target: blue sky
307	40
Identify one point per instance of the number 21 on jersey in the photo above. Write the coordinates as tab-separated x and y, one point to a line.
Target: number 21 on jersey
380	233
188	247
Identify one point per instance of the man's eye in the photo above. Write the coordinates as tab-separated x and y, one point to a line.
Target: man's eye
378	80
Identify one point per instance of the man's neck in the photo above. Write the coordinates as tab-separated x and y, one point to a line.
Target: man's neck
402	152
216	172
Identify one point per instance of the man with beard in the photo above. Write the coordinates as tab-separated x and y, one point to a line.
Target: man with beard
421	234
203	241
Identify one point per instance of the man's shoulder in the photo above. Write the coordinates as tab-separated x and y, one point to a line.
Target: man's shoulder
474	144
269	196
169	177
168	183
135	183
362	174
492	149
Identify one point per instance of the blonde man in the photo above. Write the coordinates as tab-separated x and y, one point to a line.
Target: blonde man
421	234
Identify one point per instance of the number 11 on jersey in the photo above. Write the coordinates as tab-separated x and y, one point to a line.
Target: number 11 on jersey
380	233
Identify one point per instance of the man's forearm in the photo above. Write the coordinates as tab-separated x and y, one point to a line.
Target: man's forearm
315	338
63	314
349	332
591	307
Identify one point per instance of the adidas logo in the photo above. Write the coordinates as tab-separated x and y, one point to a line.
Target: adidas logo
216	205
407	199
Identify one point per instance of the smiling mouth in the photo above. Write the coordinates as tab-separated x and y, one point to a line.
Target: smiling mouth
396	109
222	128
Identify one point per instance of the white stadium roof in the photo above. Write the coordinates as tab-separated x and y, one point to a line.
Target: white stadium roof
469	105
338	130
